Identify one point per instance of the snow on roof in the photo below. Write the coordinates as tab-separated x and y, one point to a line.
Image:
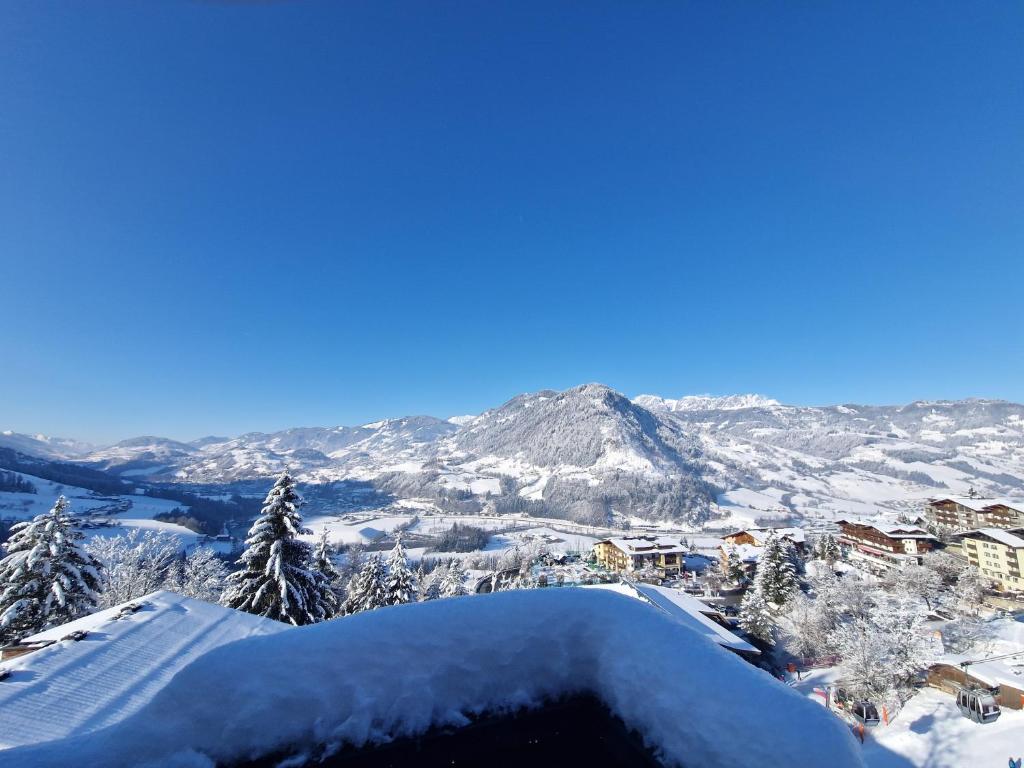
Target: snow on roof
1002	535
892	530
397	671
760	535
747	553
73	687
682	607
636	545
978	504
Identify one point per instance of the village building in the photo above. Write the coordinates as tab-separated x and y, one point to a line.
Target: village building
756	537
964	513
636	553
687	610
998	554
882	547
99	669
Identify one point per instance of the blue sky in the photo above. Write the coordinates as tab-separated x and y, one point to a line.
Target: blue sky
218	217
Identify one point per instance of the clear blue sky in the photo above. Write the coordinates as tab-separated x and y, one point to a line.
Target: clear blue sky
218	217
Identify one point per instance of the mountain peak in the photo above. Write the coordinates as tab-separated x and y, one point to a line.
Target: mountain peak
705	402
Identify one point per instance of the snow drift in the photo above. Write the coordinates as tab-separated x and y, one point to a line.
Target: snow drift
398	671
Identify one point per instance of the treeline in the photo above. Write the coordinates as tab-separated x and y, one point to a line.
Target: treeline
462	538
12	482
62	473
203	515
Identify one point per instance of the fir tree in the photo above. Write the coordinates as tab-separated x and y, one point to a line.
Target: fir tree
46	578
400	585
756	616
452	583
732	567
776	575
366	591
828	549
277	579
323	560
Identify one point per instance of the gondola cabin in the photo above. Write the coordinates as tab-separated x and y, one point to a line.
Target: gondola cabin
865	713
977	705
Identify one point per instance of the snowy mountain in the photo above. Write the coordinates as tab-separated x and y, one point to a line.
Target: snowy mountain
43	446
590	452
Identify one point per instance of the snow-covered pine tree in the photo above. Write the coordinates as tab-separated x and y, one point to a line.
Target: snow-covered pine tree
776	575
452	583
46	578
732	567
400	585
756	616
323	560
828	549
277	578
366	591
201	575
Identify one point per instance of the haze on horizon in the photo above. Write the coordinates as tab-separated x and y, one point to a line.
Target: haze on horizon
223	218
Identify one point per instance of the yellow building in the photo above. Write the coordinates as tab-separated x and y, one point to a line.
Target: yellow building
998	554
635	553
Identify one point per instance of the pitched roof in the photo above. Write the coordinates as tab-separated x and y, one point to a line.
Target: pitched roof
978	504
636	545
1002	535
760	535
684	608
126	657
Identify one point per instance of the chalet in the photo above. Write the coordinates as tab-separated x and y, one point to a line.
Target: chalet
756	537
636	553
99	669
964	513
883	546
998	554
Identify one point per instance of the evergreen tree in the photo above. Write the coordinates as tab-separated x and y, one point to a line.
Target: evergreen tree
323	560
732	567
430	584
277	578
828	549
46	578
366	591
776	575
452	583
756	616
400	585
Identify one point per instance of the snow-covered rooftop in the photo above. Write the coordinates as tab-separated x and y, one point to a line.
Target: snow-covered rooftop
398	671
684	608
747	553
1008	537
638	545
74	687
760	535
979	504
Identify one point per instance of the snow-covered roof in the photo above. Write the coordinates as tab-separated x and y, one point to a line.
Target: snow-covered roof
892	530
760	535
979	504
71	687
639	545
684	608
1008	537
747	553
397	671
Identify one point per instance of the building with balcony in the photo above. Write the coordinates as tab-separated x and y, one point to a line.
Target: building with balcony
965	513
636	553
883	547
998	554
756	537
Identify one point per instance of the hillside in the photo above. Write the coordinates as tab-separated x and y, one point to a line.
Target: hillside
590	453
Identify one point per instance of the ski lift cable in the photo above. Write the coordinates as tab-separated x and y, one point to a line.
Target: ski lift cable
965	664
